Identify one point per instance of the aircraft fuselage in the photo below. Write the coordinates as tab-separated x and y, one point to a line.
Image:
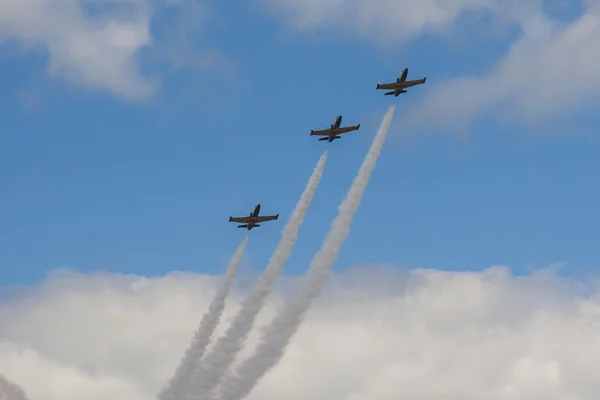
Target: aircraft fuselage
253	214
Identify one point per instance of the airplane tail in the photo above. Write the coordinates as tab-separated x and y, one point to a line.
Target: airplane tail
377	86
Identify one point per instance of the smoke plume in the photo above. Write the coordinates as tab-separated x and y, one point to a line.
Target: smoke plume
180	382
211	370
279	332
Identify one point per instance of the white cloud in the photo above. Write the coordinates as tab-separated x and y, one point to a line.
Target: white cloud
550	71
83	48
377	333
97	44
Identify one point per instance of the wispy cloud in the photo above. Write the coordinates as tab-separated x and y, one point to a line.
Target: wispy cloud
390	20
100	45
550	71
97	52
180	40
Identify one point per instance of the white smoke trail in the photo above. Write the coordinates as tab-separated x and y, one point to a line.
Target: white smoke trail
211	370
180	382
10	390
279	332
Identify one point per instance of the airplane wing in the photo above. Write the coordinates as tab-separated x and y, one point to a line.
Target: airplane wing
239	219
335	131
347	129
415	82
387	86
266	218
324	132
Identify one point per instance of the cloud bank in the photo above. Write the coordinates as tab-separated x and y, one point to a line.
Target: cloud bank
378	332
10	391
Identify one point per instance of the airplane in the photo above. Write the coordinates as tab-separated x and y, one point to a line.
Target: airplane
334	130
401	84
252	219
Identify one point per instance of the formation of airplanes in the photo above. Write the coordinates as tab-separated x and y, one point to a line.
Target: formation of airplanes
396	88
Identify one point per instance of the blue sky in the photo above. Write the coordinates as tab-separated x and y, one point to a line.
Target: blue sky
482	167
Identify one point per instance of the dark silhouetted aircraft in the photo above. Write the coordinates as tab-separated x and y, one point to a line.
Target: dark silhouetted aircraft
252	220
334	131
401	84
